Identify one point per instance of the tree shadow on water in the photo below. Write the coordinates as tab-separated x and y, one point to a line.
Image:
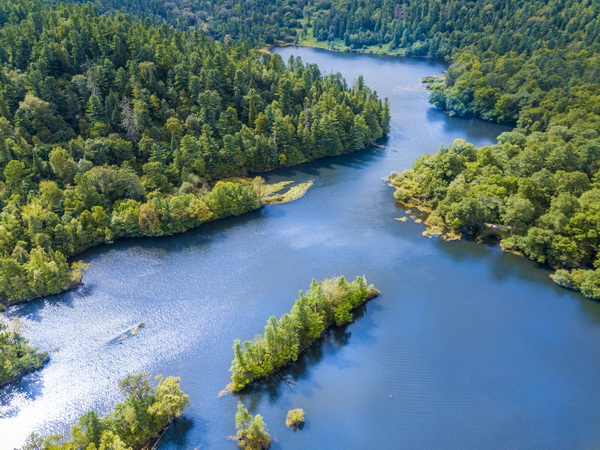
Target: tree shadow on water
25	390
32	309
288	378
357	159
177	435
503	266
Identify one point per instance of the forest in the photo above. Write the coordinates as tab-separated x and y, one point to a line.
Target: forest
437	28
257	22
326	303
531	64
134	423
534	65
113	128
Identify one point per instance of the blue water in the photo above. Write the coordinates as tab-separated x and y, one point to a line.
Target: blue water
466	347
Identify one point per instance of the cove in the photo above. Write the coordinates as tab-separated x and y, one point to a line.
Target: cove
466	347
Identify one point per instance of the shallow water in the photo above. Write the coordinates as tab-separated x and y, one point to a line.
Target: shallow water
466	347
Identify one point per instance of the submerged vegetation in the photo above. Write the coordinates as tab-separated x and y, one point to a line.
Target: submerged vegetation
293	193
327	303
135	423
17	357
274	193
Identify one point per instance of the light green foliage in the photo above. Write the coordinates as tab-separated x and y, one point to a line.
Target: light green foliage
25	275
112	128
133	424
251	430
16	356
295	418
325	304
586	281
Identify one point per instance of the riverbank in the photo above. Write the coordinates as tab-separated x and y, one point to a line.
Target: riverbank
43	359
445	317
69	287
265	194
408	195
338	47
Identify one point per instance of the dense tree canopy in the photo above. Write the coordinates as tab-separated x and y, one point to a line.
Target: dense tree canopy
110	128
532	64
539	69
541	188
439	28
257	22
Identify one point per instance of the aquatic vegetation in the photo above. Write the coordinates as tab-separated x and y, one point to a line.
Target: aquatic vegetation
293	193
295	418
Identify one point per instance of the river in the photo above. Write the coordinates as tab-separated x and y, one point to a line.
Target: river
466	347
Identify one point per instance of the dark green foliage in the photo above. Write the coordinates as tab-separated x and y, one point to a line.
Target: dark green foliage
113	128
535	65
419	27
16	356
261	21
325	304
440	28
133	424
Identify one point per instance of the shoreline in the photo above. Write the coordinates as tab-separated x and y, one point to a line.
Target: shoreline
381	52
5	304
441	230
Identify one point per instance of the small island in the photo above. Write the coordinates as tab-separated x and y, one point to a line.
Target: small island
327	303
295	418
252	431
17	357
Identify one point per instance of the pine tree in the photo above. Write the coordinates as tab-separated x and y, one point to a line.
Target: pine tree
94	110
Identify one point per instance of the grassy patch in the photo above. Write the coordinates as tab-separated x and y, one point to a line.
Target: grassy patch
274	188
293	193
271	193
